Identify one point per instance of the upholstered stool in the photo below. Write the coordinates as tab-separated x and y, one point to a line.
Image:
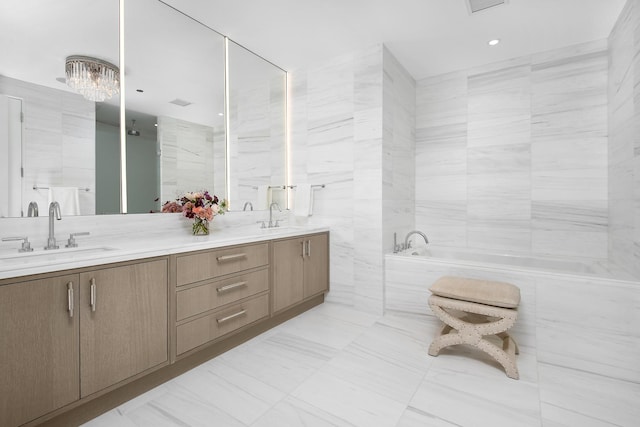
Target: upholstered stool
472	310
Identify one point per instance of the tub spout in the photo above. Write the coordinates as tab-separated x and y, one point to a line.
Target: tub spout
407	243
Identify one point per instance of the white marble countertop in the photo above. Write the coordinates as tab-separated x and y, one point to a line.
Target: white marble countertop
101	251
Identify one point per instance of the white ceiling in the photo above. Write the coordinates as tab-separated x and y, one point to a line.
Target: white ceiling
428	37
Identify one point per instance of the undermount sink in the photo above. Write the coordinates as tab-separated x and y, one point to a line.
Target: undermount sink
65	254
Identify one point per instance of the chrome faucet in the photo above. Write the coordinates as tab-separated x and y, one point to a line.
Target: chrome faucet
244	208
271	225
407	243
54	210
33	209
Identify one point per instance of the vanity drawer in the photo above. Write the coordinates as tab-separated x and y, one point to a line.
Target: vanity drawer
206	297
207	265
200	331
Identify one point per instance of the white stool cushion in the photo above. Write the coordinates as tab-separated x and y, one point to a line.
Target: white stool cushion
498	294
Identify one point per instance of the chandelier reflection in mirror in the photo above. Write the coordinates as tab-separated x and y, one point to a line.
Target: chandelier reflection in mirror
93	78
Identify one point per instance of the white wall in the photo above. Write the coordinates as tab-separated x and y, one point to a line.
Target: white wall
352	130
624	139
58	142
513	155
190	158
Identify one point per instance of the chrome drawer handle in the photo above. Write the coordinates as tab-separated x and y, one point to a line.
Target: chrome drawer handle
92	294
230	257
70	298
231	286
232	316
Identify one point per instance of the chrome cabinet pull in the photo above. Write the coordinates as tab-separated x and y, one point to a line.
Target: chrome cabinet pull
92	294
309	248
232	316
70	298
303	252
230	257
231	286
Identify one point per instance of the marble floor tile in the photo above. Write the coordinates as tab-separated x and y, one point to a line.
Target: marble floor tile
353	403
463	377
333	366
283	361
599	399
413	417
292	412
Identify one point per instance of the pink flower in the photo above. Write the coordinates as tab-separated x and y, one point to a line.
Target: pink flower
208	213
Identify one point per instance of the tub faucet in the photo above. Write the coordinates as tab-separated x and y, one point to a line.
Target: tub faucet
271	225
33	209
407	243
54	210
244	208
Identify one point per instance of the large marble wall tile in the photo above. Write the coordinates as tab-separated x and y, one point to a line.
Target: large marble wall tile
570	184
624	119
531	130
499	107
441	100
589	325
441	150
398	150
565	228
444	222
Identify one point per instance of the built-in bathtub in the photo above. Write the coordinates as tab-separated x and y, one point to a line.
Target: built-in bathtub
576	313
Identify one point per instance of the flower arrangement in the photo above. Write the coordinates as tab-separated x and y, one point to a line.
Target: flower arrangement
199	206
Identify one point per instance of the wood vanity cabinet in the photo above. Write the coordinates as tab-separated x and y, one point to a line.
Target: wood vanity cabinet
123	323
300	269
92	333
39	358
55	349
218	292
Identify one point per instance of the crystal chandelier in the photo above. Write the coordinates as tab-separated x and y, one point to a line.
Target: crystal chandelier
93	78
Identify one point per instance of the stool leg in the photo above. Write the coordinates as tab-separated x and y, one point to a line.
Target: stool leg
501	356
443	341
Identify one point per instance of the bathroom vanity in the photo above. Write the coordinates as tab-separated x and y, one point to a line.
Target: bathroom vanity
78	341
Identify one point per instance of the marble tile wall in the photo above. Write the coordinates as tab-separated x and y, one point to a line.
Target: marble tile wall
58	141
190	158
398	166
322	152
352	130
256	141
624	139
512	155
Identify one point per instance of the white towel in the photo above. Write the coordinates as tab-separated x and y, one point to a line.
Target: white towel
263	198
67	198
302	202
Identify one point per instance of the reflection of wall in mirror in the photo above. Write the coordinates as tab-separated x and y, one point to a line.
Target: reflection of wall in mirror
192	158
257	141
10	156
58	142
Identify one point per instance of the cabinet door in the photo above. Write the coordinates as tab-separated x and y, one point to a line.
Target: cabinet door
316	265
288	273
38	348
123	324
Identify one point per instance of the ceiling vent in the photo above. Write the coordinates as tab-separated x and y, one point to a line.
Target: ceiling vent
478	5
180	102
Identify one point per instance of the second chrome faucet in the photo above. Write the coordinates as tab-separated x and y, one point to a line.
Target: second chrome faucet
54	211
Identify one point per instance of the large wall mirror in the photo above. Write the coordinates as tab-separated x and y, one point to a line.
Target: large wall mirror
48	130
175	123
257	123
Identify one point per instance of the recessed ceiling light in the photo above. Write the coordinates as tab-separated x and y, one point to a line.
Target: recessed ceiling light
221	114
493	42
